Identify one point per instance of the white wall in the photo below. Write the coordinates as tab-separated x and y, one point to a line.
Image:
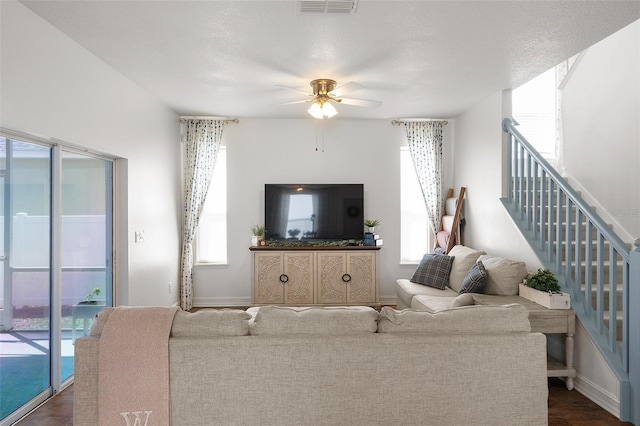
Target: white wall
263	151
53	88
601	136
601	128
478	166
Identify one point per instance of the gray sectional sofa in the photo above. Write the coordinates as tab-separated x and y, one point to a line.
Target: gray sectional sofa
502	279
472	365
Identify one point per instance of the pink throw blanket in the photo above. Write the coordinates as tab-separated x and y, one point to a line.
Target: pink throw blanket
133	365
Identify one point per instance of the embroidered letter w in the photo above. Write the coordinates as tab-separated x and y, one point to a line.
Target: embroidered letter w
137	420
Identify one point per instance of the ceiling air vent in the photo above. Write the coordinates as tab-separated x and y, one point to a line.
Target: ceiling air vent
326	6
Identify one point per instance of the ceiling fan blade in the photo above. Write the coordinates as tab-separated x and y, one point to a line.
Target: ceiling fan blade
361	102
304	92
295	102
346	88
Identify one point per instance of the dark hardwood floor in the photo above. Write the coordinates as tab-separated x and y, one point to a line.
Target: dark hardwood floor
566	408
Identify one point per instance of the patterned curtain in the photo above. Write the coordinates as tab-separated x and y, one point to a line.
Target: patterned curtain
202	147
425	145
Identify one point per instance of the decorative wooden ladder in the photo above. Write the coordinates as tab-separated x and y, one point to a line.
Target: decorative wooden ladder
455	235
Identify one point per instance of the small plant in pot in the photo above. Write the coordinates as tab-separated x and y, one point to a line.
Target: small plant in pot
257	234
88	300
371	224
543	280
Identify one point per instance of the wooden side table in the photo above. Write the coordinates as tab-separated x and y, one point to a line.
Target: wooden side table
544	320
85	312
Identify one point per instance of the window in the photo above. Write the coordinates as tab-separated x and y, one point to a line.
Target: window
534	108
415	229
211	240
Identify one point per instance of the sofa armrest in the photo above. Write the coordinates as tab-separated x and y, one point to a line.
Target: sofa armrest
85	388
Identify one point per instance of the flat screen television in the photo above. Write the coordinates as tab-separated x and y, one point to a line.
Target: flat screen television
326	212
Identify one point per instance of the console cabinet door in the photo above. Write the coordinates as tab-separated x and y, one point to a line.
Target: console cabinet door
298	273
361	271
346	278
332	289
267	269
283	278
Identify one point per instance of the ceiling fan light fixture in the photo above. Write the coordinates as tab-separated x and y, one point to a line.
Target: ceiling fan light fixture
329	110
320	109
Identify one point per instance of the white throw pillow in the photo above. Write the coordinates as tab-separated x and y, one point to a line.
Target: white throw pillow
503	275
464	259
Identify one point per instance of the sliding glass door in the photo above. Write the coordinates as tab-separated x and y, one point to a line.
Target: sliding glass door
86	249
55	253
25	340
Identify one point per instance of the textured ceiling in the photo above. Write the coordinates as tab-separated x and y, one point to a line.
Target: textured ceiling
430	59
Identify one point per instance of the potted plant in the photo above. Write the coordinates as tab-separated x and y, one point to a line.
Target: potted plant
88	300
371	224
543	289
257	234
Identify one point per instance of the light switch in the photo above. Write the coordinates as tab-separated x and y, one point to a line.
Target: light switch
139	236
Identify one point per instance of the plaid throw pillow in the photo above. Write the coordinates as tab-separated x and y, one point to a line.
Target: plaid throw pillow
433	271
475	280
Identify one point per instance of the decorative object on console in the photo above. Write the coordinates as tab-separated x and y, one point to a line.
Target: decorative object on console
368	239
257	236
303	243
371	238
543	289
433	271
371	224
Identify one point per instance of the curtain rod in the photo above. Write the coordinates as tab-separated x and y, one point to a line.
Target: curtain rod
406	120
184	118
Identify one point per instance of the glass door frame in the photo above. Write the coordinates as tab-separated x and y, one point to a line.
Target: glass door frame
55	320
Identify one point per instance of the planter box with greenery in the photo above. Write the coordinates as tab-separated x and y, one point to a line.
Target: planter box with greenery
543	289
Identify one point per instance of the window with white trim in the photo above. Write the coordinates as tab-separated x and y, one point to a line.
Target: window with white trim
534	108
211	240
415	229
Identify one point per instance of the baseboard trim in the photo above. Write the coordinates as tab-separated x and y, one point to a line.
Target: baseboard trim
388	300
215	302
598	395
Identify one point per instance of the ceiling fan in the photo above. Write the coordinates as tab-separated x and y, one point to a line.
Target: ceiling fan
325	93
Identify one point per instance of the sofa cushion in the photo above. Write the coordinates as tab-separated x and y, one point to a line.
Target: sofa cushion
431	303
97	325
405	290
503	275
433	271
339	320
475	280
465	299
464	259
475	319
211	322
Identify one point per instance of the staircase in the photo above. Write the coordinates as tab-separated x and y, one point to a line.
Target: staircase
592	264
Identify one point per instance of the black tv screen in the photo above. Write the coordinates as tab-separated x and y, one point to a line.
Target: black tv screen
314	211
